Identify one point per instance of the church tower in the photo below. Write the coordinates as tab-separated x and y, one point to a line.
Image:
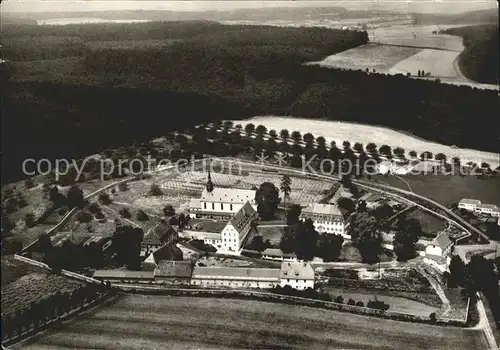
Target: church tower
210	185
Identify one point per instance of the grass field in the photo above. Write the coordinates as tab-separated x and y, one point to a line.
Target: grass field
448	190
397	304
23	284
372	56
431	225
438	63
154	322
353	132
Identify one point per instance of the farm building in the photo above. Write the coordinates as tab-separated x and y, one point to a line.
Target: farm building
439	250
161	235
326	217
478	207
277	254
213	239
298	275
468	204
221	203
124	276
488	209
167	252
173	272
235	277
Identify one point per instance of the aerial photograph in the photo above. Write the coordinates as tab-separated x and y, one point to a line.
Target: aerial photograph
293	174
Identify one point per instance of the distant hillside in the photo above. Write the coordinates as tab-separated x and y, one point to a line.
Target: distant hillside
479	60
261	14
471	17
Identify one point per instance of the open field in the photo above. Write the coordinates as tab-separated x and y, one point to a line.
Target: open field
372	56
438	63
24	284
353	132
417	35
397	304
149	322
448	190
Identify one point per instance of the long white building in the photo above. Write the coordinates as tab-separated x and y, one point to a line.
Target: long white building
326	218
221	203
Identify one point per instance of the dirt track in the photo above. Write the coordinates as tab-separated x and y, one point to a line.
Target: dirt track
163	322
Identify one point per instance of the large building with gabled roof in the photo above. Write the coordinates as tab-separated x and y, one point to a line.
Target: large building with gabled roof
234	234
326	218
221	203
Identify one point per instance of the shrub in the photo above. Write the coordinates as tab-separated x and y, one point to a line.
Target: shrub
84	216
104	198
94	208
142	216
125	213
29	219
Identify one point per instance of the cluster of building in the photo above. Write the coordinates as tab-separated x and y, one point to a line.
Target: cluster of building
298	275
474	205
438	253
238	206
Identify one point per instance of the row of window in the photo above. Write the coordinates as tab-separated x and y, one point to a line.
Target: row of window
221	206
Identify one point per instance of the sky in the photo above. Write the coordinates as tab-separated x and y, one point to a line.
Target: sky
429	6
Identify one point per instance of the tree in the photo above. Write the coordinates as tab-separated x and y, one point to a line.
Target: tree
155	190
339	299
104	198
142	216
441	157
273	134
329	246
126	243
426	155
360	304
457	270
371	147
413	154
346	203
432	317
267	199
94	208
399	151
168	210
296	136
351	302
366	237
75	197
249	129
321	141
306	238
29	220
260	130
308	138
83	216
285	187
358	147
293	214
385	150
346	145
284	134
258	244
405	238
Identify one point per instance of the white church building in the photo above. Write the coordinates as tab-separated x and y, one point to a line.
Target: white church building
221	203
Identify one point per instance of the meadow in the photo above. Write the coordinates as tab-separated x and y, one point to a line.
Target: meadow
149	322
353	132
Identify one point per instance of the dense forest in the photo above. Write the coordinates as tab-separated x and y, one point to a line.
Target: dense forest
72	100
479	60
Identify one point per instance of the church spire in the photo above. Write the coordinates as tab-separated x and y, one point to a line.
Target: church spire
210	185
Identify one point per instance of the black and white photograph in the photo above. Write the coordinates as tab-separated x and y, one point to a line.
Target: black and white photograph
294	174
